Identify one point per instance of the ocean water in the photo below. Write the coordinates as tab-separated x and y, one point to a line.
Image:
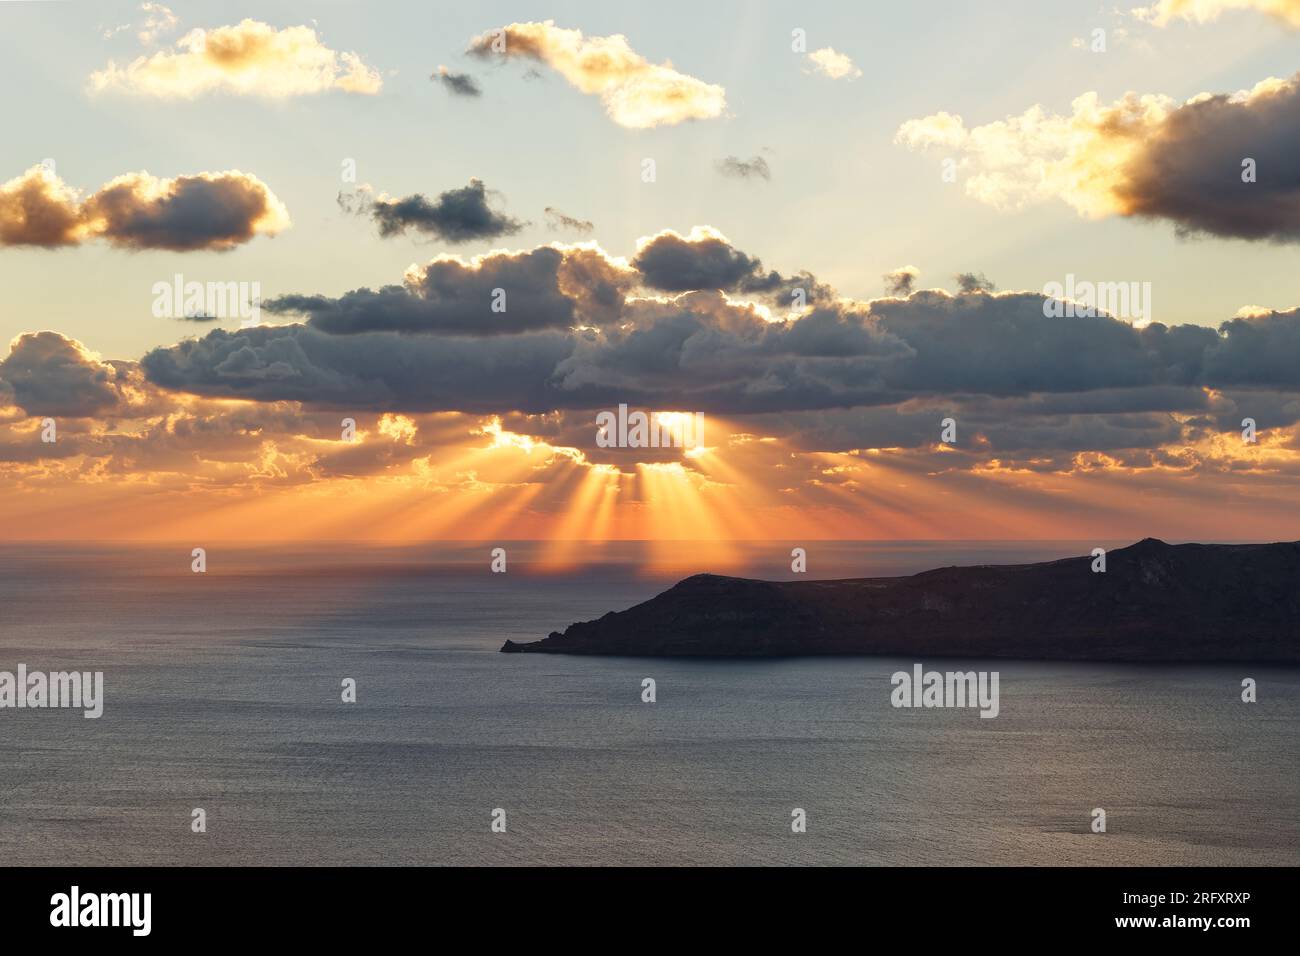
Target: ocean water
222	691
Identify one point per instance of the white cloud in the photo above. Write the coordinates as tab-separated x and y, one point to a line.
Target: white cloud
834	64
249	59
637	93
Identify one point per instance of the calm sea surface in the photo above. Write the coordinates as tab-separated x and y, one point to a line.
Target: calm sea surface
223	692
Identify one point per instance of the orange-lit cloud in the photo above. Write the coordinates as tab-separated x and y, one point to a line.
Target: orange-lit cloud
205	211
250	58
636	93
39	209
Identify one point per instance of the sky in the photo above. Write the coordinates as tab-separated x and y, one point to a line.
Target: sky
827	229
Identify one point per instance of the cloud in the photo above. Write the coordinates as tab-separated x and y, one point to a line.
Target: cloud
575	336
457	215
833	411
1163	12
635	92
550	287
701	352
39	209
902	281
973	282
49	374
1036	427
458	84
1191	170
706	259
557	220
205	211
737	168
1223	165
836	65
371	370
157	21
249	59
211	211
1260	351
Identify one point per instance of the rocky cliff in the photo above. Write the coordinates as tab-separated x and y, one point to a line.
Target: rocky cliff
1154	602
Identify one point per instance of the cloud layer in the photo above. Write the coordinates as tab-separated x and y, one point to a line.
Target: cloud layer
577	333
826	416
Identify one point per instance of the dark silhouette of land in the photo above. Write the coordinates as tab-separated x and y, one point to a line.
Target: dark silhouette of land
1154	602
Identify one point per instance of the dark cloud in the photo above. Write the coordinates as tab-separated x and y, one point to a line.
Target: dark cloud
49	374
550	287
1263	350
369	370
207	211
574	337
1010	373
704	259
557	221
737	168
455	216
701	352
902	281
1190	168
1269	409
196	212
458	84
674	263
704	352
974	282
1003	345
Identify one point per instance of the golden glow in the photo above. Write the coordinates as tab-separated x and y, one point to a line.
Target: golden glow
444	476
250	58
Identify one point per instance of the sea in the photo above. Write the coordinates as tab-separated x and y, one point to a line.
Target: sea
223	692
